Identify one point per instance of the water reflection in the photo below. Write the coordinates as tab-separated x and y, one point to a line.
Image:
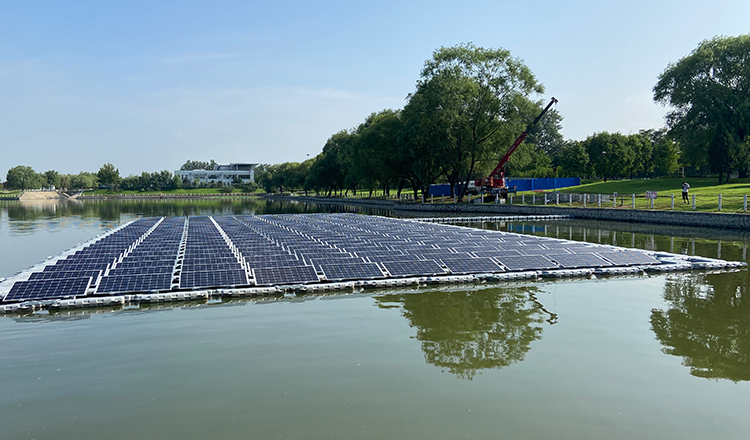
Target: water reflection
725	244
465	331
21	215
706	323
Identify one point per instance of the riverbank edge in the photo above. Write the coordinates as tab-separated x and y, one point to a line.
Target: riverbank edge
676	218
168	196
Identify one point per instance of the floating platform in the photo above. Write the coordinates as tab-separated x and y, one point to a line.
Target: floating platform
166	259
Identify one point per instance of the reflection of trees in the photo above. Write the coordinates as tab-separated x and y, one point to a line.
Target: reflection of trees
707	324
465	331
113	210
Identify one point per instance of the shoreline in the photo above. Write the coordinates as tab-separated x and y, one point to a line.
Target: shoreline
674	218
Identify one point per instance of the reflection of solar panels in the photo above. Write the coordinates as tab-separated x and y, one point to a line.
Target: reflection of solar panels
573	261
628	258
48	289
471	265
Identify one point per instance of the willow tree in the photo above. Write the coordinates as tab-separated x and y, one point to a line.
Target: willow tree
469	99
710	93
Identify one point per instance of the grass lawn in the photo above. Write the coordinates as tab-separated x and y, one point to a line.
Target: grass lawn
700	186
10	193
705	190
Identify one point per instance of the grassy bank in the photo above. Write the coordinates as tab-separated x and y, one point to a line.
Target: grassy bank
700	186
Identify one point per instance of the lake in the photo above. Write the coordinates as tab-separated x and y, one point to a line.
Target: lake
653	357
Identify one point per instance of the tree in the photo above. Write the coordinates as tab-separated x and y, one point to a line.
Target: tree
198	165
376	159
574	160
610	154
468	97
108	175
24	177
666	151
51	178
642	153
710	93
83	180
546	136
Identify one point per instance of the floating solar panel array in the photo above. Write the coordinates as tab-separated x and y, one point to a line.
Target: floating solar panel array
157	255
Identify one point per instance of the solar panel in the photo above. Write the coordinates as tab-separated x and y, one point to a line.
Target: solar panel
135	283
573	261
526	262
94	274
213	278
471	265
59	288
413	268
287	249
628	258
285	275
341	272
121	271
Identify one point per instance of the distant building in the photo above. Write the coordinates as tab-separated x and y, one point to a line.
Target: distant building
220	174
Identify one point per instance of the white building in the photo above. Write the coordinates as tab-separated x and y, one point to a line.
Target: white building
220	174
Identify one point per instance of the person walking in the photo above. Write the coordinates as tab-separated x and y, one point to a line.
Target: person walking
685	189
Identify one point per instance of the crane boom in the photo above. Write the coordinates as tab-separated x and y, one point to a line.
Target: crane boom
496	178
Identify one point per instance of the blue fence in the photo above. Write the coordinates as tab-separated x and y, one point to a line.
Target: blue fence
444	189
543	183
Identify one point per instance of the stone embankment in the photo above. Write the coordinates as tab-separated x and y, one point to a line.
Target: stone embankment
40	195
676	218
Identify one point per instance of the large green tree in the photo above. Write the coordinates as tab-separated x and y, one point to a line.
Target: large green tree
611	154
51	178
574	160
24	177
709	91
108	175
472	98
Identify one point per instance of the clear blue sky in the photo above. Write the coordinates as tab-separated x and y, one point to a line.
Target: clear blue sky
148	85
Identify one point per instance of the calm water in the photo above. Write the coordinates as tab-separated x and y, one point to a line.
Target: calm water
656	357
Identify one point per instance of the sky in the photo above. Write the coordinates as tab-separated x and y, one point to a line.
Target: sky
148	85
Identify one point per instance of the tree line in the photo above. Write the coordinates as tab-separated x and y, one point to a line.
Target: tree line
23	177
470	103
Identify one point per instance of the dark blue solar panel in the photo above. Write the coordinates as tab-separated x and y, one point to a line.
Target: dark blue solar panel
213	278
135	283
341	272
471	265
526	262
65	274
413	268
284	275
574	261
60	288
628	258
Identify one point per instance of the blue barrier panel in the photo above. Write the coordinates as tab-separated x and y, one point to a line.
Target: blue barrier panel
543	183
521	184
441	189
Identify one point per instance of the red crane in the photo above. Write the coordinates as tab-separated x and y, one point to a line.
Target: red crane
495	183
